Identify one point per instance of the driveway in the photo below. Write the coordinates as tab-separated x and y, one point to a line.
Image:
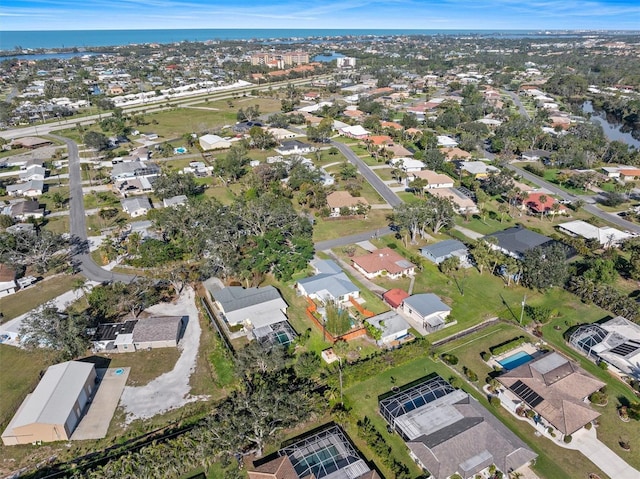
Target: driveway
170	390
95	423
613	465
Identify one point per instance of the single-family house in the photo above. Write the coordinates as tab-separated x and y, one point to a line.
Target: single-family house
442	250
295	147
137	206
616	341
250	307
114	337
31	188
33	172
325	453
605	235
433	179
446	142
158	332
392	325
428	309
449	433
7	280
174	201
213	142
535	155
355	131
629	174
456	154
383	262
543	203
408	165
23	210
477	169
553	387
54	408
462	203
339	200
329	283
517	240
134	169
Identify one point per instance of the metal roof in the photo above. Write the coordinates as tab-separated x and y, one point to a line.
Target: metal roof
426	304
56	394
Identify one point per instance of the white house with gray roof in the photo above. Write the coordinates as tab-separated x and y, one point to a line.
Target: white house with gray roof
251	307
329	283
30	188
53	410
442	250
428	309
392	325
447	431
135	207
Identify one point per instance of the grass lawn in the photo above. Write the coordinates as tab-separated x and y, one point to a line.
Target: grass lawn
468	349
485	296
325	229
145	365
100	199
25	300
552	463
384	173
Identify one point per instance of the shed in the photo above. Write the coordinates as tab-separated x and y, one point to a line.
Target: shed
53	410
394	297
213	142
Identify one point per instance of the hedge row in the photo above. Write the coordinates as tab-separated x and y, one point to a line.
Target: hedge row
378	444
508	346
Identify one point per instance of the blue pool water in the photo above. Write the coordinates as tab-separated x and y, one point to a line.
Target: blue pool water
515	360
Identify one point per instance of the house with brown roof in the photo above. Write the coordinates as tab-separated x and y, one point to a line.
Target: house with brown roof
629	174
339	200
553	387
434	180
158	332
385	262
455	154
391	124
543	203
7	280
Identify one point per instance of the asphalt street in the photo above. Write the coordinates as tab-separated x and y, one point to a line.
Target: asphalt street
373	179
77	222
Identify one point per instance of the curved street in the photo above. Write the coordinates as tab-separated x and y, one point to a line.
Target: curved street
77	222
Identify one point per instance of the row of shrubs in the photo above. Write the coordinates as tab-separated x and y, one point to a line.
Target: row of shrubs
508	346
378	444
379	362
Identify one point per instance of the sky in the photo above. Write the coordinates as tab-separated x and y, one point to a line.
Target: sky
341	14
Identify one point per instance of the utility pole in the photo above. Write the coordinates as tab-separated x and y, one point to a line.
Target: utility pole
340	372
524	301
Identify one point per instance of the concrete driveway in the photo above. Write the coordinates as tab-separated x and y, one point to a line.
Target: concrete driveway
95	423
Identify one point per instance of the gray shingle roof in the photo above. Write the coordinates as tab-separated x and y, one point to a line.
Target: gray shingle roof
519	239
426	304
443	248
234	298
335	284
159	328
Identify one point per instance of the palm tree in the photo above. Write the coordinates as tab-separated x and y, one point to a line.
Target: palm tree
543	203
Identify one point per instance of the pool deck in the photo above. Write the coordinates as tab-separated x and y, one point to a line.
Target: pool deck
528	348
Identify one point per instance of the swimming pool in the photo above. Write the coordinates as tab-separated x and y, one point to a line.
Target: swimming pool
515	360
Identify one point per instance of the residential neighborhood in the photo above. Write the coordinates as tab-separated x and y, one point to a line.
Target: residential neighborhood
379	255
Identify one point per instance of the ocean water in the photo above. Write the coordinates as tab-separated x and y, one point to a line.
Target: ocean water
9	40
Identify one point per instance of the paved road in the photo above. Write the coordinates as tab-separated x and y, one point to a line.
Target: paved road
374	180
77	222
591	208
516	99
345	240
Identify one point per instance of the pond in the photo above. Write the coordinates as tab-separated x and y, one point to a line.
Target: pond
613	130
